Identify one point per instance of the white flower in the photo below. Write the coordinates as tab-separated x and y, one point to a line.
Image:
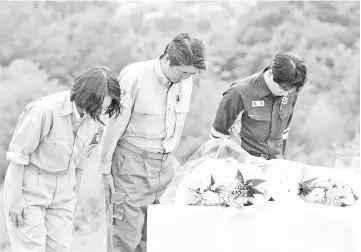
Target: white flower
215	186
211	198
337	192
348	200
193	198
317	194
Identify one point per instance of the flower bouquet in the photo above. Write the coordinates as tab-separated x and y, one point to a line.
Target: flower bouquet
236	194
327	191
222	182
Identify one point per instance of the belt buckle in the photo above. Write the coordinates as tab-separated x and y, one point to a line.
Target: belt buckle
165	156
61	173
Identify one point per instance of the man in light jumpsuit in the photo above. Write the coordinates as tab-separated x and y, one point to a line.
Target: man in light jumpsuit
256	111
136	150
47	154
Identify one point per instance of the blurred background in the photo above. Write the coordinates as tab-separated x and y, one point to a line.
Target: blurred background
44	45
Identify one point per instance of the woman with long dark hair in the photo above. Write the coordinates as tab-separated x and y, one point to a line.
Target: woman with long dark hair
48	152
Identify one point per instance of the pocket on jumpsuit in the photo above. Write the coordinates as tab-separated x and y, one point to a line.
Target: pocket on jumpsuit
117	206
122	215
54	152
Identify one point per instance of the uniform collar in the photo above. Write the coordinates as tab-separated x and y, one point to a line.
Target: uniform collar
262	87
69	107
76	112
159	73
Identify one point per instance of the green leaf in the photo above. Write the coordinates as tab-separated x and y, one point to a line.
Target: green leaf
308	181
255	191
305	187
255	182
250	194
212	180
240	176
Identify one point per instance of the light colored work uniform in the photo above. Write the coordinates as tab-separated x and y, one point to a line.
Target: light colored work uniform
51	140
137	147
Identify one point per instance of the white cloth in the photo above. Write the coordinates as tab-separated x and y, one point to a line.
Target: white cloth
288	224
269	227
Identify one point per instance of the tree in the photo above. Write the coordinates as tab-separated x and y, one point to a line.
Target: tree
21	82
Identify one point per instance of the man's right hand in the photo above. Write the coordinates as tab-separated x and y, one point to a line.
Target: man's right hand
109	189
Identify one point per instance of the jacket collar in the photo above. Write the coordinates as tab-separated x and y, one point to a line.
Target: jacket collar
262	87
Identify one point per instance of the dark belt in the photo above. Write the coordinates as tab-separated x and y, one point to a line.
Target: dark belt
141	152
265	156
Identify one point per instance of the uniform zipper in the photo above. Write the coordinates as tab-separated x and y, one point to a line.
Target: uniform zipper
270	127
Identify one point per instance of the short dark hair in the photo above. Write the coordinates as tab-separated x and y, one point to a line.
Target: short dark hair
186	50
89	89
289	70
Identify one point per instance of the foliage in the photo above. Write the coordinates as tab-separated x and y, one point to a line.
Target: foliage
237	194
20	82
64	38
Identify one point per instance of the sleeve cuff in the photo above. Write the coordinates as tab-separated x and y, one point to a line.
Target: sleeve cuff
285	133
105	168
17	158
216	134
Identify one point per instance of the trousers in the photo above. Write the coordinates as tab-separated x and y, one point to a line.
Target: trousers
50	205
140	180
